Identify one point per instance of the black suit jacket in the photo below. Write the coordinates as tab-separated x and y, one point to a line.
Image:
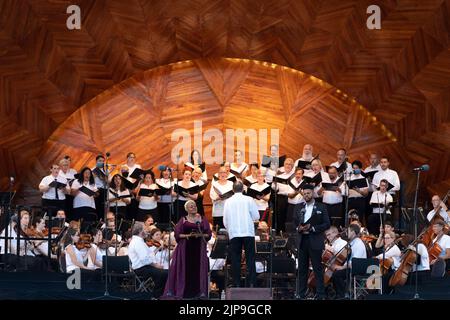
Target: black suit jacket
319	222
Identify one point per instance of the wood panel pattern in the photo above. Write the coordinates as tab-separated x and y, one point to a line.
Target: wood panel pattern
399	73
223	94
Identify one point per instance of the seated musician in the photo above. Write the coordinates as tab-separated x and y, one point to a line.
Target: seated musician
443	242
216	266
76	257
162	253
388	227
96	252
149	223
390	249
335	242
61	214
439	210
379	201
424	266
154	240
358	250
142	262
40	247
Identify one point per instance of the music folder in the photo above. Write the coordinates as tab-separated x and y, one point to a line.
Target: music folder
57	184
87	191
192	190
254	193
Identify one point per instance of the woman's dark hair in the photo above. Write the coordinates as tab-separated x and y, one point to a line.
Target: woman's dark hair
36	220
68	237
113	183
151	174
162	171
152	233
358	163
199	156
100	156
81	177
147	216
254	164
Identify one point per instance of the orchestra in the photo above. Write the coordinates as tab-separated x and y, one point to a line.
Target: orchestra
316	200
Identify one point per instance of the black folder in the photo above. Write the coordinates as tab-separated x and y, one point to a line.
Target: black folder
267	161
254	193
87	191
358	183
192	190
225	195
56	184
162	191
314	180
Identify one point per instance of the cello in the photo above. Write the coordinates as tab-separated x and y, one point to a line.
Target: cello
407	261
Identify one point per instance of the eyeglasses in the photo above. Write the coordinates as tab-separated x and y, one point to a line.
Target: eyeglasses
387	238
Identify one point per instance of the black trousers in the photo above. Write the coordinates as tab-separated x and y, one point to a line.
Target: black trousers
99	204
159	277
339	281
236	250
142	213
279	217
305	254
373	223
336	214
218	221
179	210
164	212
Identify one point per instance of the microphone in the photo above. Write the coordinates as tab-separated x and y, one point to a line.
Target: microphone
108	154
424	167
11	180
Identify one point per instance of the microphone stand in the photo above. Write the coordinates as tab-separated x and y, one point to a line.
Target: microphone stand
169	292
106	294
347	273
416	288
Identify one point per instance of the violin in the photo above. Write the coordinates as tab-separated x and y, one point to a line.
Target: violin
152	243
84	242
368	238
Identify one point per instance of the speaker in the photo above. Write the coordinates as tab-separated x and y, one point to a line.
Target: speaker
248	294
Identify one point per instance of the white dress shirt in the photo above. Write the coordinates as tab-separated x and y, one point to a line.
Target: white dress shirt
298	198
51	194
308	210
394	253
82	199
261	204
147	203
338	244
348	170
139	253
391	176
370	169
378	197
444	243
442	213
238	215
283	188
333	197
166	183
358	249
69	175
218	205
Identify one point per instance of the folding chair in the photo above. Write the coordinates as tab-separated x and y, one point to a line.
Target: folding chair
363	281
142	283
119	267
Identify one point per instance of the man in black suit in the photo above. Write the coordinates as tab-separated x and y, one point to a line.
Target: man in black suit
311	219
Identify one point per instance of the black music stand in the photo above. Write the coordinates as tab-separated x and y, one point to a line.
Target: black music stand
220	251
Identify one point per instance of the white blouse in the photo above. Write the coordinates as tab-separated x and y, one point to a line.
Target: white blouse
82	199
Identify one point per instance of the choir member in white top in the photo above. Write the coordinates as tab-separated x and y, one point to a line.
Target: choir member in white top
100	178
118	196
333	198
239	168
262	202
224	187
387	174
334	242
295	195
374	166
183	197
196	162
128	168
307	155
316	168
379	201
357	194
165	201
250	179
84	191
274	167
341	159
54	188
147	204
231	177
439	210
281	186
68	173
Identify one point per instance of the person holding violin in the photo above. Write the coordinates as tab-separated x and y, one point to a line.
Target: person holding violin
311	219
358	250
76	252
142	262
154	240
96	251
38	230
388	227
189	266
162	252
